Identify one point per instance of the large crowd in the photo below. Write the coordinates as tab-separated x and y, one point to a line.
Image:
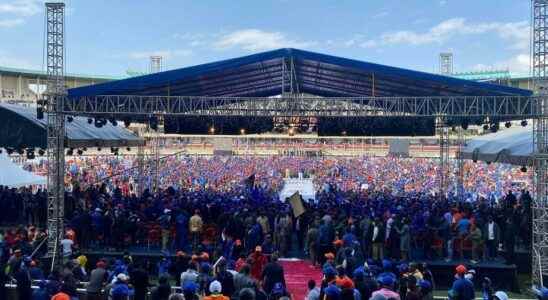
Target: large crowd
222	219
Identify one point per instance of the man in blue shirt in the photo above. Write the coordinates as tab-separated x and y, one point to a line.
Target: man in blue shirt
463	289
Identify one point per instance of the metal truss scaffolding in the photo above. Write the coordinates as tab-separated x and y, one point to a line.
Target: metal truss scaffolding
304	106
55	48
444	166
156	147
540	132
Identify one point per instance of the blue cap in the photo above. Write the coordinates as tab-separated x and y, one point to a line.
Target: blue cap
424	284
206	267
403	268
278	288
386	280
190	287
359	273
332	291
386	264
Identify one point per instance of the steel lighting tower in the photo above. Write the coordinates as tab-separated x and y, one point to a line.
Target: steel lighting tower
446	63
55	53
540	127
155	64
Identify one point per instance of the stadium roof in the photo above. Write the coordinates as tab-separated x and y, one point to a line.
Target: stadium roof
40	73
317	74
20	128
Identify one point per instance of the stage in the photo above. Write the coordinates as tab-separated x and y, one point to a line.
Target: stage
503	276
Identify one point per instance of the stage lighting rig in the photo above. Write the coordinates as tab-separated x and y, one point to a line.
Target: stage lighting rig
508	124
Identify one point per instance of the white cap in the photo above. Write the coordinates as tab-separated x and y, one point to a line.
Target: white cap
216	288
122	277
501	295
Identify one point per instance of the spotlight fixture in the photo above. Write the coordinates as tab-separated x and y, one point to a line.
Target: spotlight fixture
242	131
524	123
98	123
70	119
99	149
41	152
30	154
291	131
485	126
153	122
128	149
90	120
211	130
508	124
523	169
494	127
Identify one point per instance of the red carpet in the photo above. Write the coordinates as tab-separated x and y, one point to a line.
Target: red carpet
297	273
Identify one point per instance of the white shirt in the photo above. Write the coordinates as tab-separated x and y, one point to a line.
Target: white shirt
491	231
67	246
375	232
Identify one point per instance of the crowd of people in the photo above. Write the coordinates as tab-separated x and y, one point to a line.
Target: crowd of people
221	215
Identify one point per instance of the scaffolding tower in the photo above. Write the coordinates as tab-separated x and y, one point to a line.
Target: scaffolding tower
444	165
55	53
446	63
540	132
155	64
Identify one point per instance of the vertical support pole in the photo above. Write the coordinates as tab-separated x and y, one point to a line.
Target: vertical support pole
540	137
141	167
156	153
55	50
444	158
460	164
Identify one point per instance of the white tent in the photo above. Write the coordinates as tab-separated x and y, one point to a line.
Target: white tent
512	146
13	175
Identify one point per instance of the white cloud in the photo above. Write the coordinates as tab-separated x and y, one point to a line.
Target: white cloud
380	15
11	23
165	54
518	64
443	2
517	33
24	8
258	40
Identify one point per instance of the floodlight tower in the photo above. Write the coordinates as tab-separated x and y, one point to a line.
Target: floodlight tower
446	63
155	64
539	43
55	53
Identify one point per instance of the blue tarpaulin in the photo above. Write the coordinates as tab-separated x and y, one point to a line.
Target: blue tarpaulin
314	73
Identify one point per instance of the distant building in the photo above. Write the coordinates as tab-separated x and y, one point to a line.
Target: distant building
25	86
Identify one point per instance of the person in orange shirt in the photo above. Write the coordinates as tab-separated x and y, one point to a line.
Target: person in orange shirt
215	288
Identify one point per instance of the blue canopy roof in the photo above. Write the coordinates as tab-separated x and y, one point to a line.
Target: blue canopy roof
318	74
21	128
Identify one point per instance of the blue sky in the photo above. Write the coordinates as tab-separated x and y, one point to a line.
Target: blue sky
111	36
